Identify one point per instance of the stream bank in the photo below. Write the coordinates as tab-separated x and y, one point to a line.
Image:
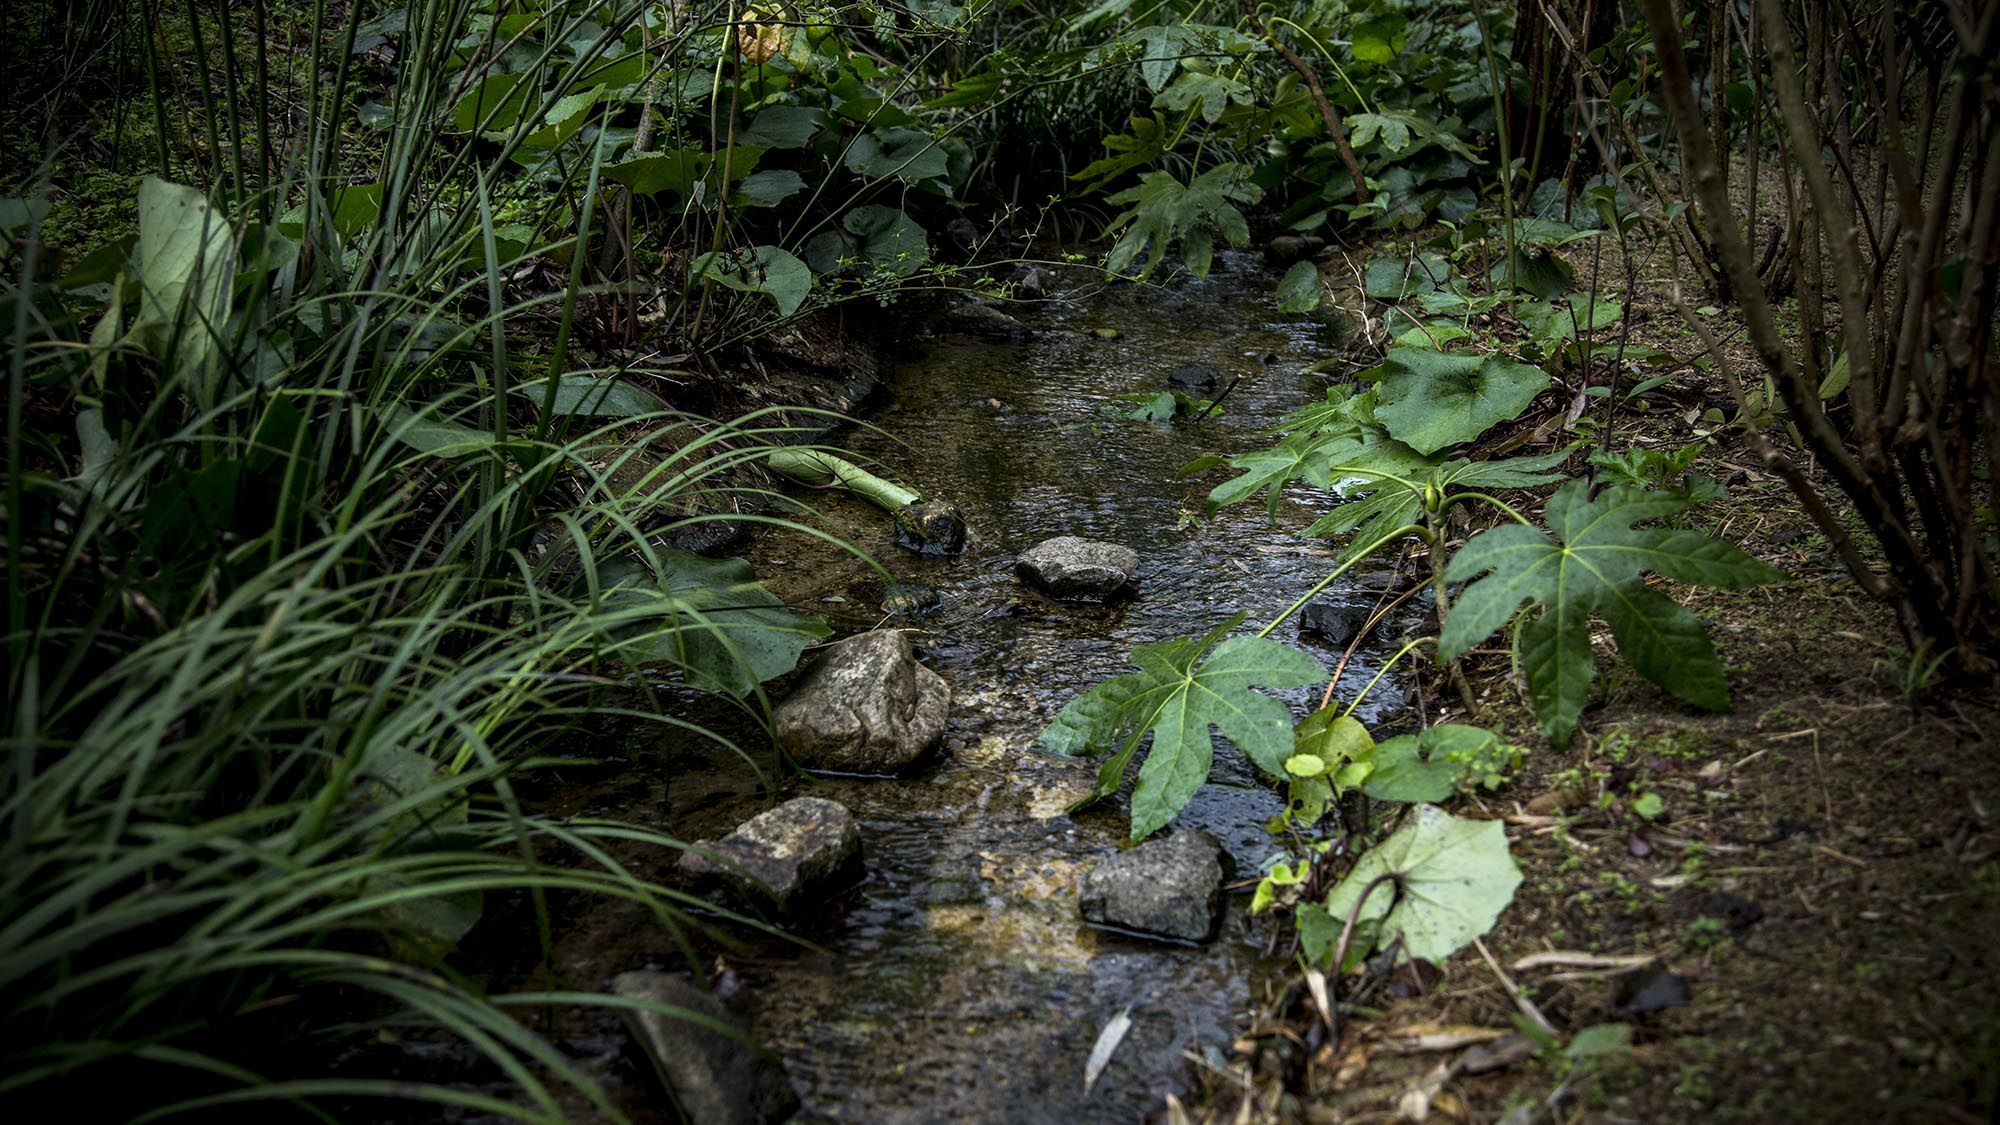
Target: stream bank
957	982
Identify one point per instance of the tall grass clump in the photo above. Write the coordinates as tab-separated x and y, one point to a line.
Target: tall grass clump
310	548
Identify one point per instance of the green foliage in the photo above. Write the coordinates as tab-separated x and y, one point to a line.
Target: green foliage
709	616
1593	564
1183	687
1432	886
1166	406
1429	400
1164	211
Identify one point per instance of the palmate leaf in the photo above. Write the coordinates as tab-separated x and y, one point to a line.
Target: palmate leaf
1593	565
1184	686
1393	504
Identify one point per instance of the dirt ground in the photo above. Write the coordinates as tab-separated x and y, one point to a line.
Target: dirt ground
1792	910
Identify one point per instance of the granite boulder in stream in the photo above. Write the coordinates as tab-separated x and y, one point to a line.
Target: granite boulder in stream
867	707
714	1077
803	849
1076	569
1169	887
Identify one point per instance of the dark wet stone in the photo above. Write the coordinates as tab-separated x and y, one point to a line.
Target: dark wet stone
975	318
1288	248
909	599
1077	569
867	706
1035	282
1333	622
1169	887
930	528
1647	991
1197	377
805	849
714	1078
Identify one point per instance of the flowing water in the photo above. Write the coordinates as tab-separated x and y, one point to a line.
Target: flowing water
958	983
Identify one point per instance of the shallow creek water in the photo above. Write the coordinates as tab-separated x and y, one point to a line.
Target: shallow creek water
958	982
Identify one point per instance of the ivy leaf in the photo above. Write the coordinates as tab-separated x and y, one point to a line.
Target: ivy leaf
1433	399
1183	687
1448	880
1593	564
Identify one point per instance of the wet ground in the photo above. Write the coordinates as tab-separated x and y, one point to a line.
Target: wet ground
958	983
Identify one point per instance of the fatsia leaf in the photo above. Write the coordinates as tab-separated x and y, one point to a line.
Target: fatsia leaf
1593	564
1430	399
1392	503
1184	686
1445	880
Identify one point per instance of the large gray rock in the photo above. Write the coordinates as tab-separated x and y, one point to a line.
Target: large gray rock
1333	622
801	850
714	1077
1077	569
1199	378
866	707
1169	887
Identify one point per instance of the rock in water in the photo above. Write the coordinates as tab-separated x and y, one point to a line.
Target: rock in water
931	528
975	318
1168	887
714	1078
1332	622
1198	378
1077	569
802	850
866	707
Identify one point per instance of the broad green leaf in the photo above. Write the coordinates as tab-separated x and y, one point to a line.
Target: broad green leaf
1430	400
592	396
1183	688
910	155
1392	504
1404	773
564	120
878	239
1592	564
1164	210
1393	278
1447	882
1319	935
763	269
186	252
1299	289
769	188
675	170
493	104
1378	40
1212	92
709	616
784	126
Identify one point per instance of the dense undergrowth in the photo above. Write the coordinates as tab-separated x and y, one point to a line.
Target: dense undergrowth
338	334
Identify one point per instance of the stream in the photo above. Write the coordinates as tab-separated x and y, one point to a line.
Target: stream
958	982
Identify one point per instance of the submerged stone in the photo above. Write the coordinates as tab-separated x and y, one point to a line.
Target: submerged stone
930	528
1077	569
805	849
1169	887
1332	622
713	1077
866	707
974	318
1197	377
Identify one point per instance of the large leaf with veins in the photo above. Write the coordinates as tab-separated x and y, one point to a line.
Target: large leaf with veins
1183	688
1593	564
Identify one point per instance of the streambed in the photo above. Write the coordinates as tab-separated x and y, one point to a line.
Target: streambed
958	982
